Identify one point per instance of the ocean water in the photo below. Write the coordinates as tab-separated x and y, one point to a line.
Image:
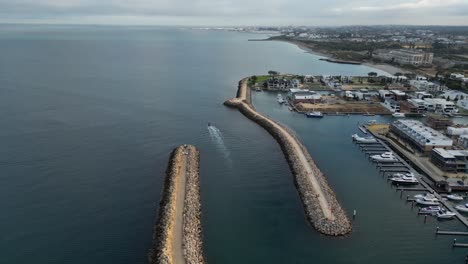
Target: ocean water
89	115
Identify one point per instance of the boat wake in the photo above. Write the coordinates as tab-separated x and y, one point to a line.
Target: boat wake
217	138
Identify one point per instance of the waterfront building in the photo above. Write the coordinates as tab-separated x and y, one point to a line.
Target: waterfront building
440	105
413	106
454	161
457	76
304	96
386	94
438	122
423	95
398	95
423	138
425	85
281	84
392	105
412	57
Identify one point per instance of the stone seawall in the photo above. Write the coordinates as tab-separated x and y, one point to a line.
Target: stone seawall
324	213
177	236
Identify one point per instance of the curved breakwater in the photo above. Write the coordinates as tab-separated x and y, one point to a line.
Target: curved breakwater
177	234
320	204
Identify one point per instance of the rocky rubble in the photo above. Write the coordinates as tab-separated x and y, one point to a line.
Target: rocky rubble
341	225
162	251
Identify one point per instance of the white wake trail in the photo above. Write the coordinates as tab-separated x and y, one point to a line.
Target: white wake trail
217	138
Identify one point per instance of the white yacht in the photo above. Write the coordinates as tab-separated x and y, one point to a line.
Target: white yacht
430	210
404	178
280	99
455	197
428	199
462	208
363	139
384	157
398	114
444	214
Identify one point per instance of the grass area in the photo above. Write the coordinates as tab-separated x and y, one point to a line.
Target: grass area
381	129
262	78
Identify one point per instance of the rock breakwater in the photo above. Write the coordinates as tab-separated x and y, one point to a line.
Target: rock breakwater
177	236
321	206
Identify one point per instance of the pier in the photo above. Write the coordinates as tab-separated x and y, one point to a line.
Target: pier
322	208
405	168
177	236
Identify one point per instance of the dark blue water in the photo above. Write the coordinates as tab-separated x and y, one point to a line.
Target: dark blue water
88	116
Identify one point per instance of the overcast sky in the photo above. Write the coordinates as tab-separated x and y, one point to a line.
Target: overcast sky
236	12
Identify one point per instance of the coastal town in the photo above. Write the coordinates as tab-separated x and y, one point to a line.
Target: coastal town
421	148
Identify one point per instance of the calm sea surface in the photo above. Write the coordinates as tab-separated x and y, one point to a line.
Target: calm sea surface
88	116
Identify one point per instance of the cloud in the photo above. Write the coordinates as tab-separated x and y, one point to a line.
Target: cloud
236	12
410	5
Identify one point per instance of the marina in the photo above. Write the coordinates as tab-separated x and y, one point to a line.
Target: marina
398	169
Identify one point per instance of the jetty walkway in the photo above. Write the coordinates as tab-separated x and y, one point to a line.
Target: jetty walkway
319	201
177	235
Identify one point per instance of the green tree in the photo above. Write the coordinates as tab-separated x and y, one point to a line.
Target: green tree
273	73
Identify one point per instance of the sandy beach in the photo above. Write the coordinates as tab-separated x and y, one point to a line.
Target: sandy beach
390	69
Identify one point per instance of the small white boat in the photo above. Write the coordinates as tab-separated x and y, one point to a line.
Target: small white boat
430	210
404	179
444	214
280	99
357	138
420	196
372	122
314	115
462	208
384	157
455	197
428	199
397	114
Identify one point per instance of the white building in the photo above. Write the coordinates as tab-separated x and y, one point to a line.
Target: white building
440	105
423	95
413	57
425	85
304	96
457	76
418	104
421	136
392	105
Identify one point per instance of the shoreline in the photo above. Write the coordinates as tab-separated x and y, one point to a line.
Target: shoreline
390	69
320	204
177	235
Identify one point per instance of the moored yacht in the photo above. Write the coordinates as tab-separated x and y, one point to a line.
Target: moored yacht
357	138
428	199
404	178
280	99
430	210
462	208
455	197
314	114
398	114
444	214
384	157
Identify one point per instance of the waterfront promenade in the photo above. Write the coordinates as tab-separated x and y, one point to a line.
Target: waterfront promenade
319	201
178	233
